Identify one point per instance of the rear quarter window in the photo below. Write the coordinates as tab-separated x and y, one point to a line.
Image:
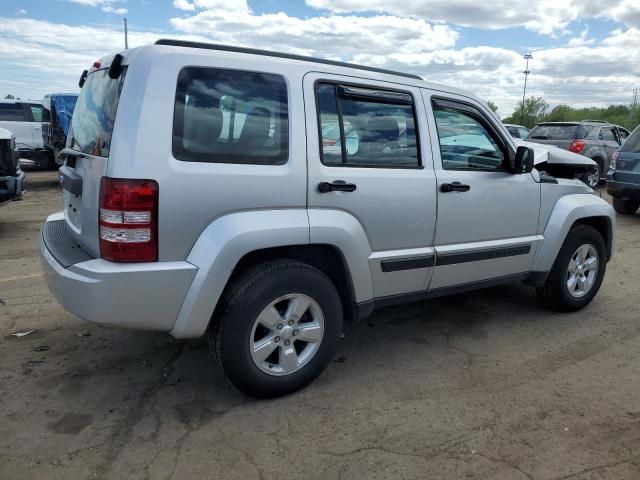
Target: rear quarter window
230	116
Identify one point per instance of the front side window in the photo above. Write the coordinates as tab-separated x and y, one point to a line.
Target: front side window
465	141
361	127
39	113
11	112
230	116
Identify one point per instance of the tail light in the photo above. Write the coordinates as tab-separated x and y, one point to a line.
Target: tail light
576	146
614	160
128	220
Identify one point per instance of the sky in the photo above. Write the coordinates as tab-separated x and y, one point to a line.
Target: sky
585	52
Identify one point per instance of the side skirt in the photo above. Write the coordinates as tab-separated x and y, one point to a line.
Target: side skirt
364	309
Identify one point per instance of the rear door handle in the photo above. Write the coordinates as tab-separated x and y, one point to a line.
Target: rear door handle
337	186
454	187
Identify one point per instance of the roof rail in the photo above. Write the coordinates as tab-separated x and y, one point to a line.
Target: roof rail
586	120
253	51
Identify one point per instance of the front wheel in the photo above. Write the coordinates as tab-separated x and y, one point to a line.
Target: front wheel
625	207
278	328
577	273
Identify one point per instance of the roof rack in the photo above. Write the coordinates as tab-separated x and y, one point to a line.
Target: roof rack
253	51
586	120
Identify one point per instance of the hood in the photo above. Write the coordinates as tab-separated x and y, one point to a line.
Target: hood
554	155
5	134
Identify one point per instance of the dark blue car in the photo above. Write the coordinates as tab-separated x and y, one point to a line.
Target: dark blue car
623	178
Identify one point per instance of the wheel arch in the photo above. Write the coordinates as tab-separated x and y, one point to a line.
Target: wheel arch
571	210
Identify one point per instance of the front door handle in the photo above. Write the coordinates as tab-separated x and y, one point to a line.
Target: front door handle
454	187
337	186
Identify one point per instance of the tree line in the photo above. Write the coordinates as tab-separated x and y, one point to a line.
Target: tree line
536	110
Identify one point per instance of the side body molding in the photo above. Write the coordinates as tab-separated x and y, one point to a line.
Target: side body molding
344	231
219	248
567	210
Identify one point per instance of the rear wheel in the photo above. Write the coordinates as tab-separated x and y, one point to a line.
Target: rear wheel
592	178
278	328
577	273
625	207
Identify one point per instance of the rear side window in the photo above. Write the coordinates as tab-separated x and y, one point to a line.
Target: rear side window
95	113
554	132
11	112
608	136
363	127
230	116
632	144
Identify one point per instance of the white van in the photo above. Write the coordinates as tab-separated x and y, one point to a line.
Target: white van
24	119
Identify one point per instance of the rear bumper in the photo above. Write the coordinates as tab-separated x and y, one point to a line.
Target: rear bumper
629	188
12	187
145	296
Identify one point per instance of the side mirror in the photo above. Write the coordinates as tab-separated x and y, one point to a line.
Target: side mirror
524	160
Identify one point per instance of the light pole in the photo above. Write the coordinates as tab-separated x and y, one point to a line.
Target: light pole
526	72
126	35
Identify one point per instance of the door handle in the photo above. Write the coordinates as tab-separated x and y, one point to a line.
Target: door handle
454	187
337	186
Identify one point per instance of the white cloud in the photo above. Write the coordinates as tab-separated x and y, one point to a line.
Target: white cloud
548	17
105	5
184	5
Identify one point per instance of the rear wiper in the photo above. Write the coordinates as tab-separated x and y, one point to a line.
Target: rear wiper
541	137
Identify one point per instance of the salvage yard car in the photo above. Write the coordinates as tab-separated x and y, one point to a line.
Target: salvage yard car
12	179
264	236
623	177
24	119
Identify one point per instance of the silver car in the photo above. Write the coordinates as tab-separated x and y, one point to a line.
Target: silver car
207	192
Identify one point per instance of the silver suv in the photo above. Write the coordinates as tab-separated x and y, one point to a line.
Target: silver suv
207	191
594	139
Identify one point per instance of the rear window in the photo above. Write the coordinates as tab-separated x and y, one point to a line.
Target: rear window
11	112
554	132
230	116
95	113
632	144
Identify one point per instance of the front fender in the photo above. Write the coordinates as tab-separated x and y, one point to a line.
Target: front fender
567	211
219	248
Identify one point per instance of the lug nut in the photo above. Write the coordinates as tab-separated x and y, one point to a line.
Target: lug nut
290	322
296	332
277	339
286	343
279	326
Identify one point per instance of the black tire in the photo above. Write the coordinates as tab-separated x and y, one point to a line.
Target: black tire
554	293
625	207
244	300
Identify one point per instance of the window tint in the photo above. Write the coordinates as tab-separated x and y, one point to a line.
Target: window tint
465	143
11	112
95	113
229	116
607	135
38	113
365	127
554	132
633	142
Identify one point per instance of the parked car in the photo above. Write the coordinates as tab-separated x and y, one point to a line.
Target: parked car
24	119
266	238
55	126
591	138
623	178
12	179
517	131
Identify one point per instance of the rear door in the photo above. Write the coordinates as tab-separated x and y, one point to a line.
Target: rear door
368	155
90	142
608	137
487	215
13	117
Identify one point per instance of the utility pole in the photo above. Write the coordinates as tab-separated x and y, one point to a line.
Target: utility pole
126	35
526	72
632	110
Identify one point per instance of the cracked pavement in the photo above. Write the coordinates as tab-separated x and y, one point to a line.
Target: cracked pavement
485	385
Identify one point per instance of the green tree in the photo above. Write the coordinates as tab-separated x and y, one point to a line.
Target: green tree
534	111
9	97
492	106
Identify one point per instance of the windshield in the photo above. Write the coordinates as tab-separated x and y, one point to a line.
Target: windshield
554	132
632	144
95	114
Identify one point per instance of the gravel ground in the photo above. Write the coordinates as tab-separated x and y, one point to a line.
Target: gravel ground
485	385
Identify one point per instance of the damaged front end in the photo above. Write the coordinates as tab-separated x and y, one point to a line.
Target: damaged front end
12	179
556	162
